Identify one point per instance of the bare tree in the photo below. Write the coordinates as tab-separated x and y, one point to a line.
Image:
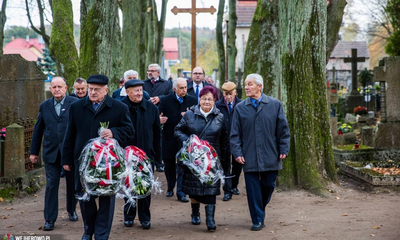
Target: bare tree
41	6
220	42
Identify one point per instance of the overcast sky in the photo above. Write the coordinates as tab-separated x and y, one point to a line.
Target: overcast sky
16	13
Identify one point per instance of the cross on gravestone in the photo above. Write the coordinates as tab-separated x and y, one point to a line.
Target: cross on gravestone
354	60
193	10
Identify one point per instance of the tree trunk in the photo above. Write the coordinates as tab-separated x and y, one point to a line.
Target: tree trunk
151	32
3	19
100	39
62	45
220	43
302	36
232	50
161	30
335	13
262	50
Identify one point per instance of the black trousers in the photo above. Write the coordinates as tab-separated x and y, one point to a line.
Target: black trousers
53	172
228	181
143	207
174	176
98	222
236	170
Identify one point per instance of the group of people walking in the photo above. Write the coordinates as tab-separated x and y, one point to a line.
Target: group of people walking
157	115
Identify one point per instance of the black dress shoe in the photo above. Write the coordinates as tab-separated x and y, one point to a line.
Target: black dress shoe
160	169
73	217
170	193
128	223
48	226
235	191
183	199
227	196
146	224
86	237
257	227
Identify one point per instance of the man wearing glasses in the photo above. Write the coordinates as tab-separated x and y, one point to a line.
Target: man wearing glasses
156	86
196	85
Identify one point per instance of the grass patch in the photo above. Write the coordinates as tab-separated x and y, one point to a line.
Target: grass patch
8	194
351	147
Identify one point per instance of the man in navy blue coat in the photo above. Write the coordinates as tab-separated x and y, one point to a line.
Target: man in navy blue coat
227	105
83	124
260	141
146	121
51	125
173	106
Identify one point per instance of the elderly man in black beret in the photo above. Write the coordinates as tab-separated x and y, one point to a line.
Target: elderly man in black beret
84	122
146	121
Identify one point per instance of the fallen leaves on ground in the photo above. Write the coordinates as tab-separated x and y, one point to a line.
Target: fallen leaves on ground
1	199
377	227
5	217
387	171
345	214
10	226
40	228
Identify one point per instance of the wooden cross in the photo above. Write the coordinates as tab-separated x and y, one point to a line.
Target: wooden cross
354	60
193	11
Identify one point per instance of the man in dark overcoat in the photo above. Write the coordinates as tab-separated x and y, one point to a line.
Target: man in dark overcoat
146	121
80	88
83	125
155	86
227	105
260	141
51	125
173	106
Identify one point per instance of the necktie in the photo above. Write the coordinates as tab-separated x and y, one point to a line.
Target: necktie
95	105
256	103
230	107
197	91
153	81
180	100
58	108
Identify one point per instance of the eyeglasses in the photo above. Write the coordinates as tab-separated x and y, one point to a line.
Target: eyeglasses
207	99
197	73
151	71
96	90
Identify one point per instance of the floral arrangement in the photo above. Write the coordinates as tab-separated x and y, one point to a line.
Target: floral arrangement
360	110
202	160
344	128
102	167
139	181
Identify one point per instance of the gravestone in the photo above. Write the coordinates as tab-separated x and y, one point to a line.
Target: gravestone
367	137
22	86
387	135
355	99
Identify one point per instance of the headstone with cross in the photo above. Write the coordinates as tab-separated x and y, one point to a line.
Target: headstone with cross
239	75
193	10
355	99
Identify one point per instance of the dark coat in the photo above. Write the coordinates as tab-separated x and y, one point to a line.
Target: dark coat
193	122
84	123
191	91
223	107
171	108
148	130
52	128
161	87
117	95
260	135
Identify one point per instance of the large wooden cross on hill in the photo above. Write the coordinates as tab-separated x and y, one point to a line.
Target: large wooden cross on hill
193	11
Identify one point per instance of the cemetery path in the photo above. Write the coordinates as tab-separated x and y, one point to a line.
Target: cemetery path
352	211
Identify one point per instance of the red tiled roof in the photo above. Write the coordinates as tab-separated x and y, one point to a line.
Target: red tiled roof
22	43
170	44
24	52
343	49
245	11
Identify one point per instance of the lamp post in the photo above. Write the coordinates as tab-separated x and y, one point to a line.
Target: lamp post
226	18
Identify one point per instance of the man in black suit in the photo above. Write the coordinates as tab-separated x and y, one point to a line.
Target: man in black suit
146	121
83	124
155	86
227	105
173	106
196	85
50	125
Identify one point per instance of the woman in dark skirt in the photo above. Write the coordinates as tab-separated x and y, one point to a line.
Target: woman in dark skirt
196	121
